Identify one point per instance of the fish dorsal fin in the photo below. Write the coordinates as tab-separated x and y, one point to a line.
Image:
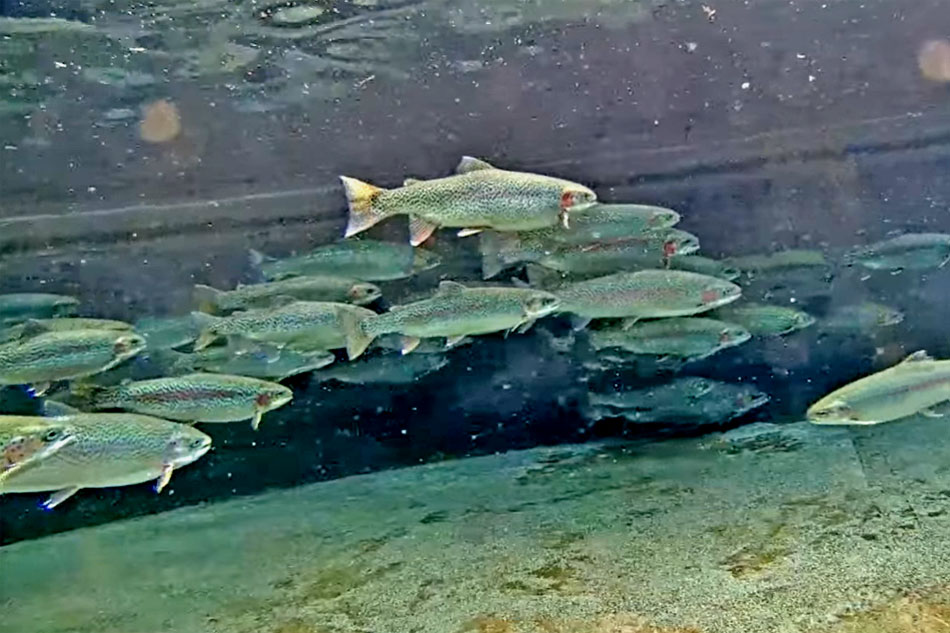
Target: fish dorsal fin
469	164
916	357
408	182
449	288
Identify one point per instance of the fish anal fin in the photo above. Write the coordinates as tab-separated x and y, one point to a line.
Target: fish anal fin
59	496
469	232
469	164
420	230
408	343
38	389
452	341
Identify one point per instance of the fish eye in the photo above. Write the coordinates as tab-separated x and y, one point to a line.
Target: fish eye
52	435
198	442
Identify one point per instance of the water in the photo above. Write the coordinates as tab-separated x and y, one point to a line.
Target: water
148	147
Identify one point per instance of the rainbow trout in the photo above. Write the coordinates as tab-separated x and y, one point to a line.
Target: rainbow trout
644	294
912	251
311	288
111	449
765	320
192	397
302	325
635	252
456	311
606	222
32	327
368	260
479	196
66	355
164	333
263	362
25	441
689	337
18	307
704	266
914	385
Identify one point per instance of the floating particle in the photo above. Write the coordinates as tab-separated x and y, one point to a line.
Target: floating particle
934	60
160	122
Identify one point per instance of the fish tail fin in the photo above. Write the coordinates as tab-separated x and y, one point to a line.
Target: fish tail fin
357	338
90	396
361	197
206	298
207	335
499	251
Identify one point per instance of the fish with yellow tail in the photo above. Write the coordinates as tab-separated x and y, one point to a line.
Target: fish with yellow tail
479	196
111	449
914	386
27	440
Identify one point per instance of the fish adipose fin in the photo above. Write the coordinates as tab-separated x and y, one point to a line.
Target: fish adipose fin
469	164
361	197
420	230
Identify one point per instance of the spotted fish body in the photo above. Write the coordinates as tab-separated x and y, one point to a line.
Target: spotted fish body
646	294
111	449
364	259
163	333
605	222
457	311
25	441
311	288
18	307
33	327
913	251
635	252
387	369
689	337
766	320
273	365
193	397
478	196
65	355
861	317
912	386
704	266
304	325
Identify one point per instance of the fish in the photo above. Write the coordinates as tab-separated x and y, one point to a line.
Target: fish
861	317
911	251
265	295
704	266
636	252
263	362
915	385
18	307
66	355
386	369
606	222
457	311
681	337
765	320
395	342
685	400
32	327
779	262
162	333
25	441
302	325
364	259
199	397
644	294
478	196
111	449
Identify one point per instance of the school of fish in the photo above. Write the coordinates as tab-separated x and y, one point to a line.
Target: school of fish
624	283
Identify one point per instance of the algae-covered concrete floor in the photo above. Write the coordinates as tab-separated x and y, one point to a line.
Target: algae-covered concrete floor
772	529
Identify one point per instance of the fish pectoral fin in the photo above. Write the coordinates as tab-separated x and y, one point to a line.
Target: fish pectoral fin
58	497
469	232
918	356
931	412
256	420
38	389
469	164
420	230
452	341
629	322
164	477
408	343
524	327
897	270
408	182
